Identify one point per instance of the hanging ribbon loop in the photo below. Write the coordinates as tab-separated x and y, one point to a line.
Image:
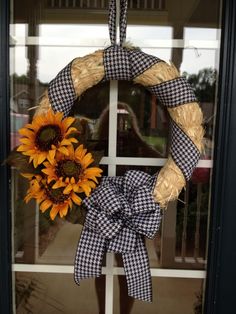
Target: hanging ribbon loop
117	11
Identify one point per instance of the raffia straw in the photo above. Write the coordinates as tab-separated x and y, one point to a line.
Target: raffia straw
44	105
89	70
158	73
169	183
189	118
86	72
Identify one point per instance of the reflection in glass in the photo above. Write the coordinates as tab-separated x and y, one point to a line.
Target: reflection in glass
142	128
143	131
170	295
56	293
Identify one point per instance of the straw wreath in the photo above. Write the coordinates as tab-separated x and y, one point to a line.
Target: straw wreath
89	70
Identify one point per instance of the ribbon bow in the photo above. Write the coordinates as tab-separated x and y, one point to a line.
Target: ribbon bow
120	212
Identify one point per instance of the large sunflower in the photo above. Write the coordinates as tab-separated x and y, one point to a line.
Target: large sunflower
72	172
47	134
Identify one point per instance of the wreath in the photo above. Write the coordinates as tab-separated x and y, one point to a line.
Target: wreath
121	210
162	80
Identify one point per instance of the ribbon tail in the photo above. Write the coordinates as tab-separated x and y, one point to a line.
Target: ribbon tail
89	255
137	271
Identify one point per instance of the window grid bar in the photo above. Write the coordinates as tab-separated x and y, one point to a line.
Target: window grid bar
142	161
110	271
17	41
112	136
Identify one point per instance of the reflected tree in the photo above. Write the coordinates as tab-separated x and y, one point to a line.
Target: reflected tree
203	83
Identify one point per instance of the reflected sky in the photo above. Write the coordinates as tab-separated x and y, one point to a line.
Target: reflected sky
53	58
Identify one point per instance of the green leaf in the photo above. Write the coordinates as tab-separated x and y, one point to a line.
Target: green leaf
77	215
20	162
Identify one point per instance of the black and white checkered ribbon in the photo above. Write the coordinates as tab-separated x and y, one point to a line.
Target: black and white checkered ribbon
120	212
113	12
61	92
174	92
183	151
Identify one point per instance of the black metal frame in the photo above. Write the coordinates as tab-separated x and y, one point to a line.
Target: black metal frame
221	271
5	218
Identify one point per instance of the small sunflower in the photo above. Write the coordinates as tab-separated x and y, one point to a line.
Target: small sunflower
35	187
47	134
50	198
58	201
72	172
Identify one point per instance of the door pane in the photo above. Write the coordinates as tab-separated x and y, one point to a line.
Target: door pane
170	295
45	36
56	293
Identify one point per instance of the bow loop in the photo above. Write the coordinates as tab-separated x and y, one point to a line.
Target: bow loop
142	201
134	179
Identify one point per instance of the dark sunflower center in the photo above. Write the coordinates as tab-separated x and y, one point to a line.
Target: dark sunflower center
48	135
68	168
56	195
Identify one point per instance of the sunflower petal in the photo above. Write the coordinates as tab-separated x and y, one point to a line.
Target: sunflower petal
35	161
72	180
51	156
66	123
76	188
76	199
72	140
87	160
27	175
65	142
22	148
41	157
58	116
54	211
28	197
80	152
58	184
26	132
86	188
63	150
71	130
26	141
68	189
64	210
45	205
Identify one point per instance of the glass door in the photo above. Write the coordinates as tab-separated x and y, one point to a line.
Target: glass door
132	129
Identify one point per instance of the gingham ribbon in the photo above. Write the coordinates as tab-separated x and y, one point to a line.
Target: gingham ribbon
121	63
122	20
120	212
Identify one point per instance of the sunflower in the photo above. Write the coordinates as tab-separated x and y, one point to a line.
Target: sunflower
58	201
35	187
47	134
72	172
50	198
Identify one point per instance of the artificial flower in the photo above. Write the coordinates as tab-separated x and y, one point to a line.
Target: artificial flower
45	136
72	172
50	198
